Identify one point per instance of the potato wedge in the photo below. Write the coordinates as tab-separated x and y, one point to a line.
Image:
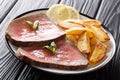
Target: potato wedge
84	43
92	22
93	42
90	33
98	52
72	39
75	31
66	24
75	21
99	33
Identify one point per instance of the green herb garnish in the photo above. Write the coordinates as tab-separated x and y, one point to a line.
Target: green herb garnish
52	47
36	24
33	25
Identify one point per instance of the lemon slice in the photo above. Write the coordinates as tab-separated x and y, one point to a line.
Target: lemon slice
74	13
58	12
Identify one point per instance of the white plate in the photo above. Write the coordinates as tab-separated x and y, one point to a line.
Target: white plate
109	55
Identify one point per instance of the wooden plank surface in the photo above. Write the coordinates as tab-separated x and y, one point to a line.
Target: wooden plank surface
5	7
107	11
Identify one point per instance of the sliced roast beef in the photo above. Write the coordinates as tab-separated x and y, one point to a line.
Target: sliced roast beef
66	56
20	33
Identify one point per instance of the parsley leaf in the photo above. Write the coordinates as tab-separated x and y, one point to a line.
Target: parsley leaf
36	24
52	47
33	25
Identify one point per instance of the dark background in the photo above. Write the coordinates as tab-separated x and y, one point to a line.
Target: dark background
107	11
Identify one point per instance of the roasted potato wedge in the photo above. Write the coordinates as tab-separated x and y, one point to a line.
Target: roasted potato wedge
79	31
84	43
92	22
75	31
93	42
72	39
99	33
98	51
67	24
90	33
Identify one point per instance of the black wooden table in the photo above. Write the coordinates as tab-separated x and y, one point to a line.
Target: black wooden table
107	11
